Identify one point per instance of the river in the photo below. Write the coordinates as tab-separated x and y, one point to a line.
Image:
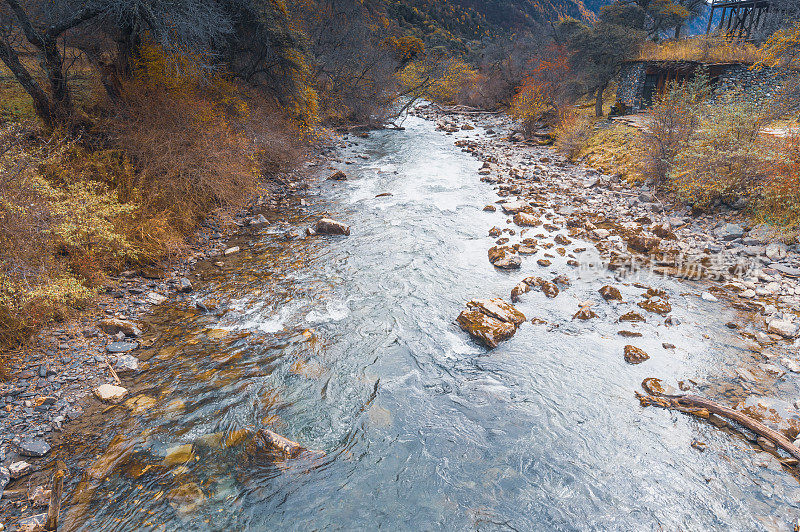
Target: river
348	346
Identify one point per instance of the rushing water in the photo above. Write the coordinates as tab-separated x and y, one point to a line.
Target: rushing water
348	345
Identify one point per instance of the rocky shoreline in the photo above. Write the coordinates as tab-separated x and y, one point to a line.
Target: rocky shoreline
549	202
68	367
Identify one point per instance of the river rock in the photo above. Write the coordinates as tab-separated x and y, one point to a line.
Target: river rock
790	364
585	312
785	328
5	478
39	497
634	355
34	523
108	393
761	233
113	326
504	257
523	219
549	289
643	243
121	347
776	251
126	364
499	309
729	232
154	298
19	469
338	176
484	328
656	305
513	207
490	208
610	293
185	285
33	448
707	296
231	251
332	227
517	291
631	317
186	497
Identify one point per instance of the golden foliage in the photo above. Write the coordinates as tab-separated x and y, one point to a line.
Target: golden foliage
704	48
443	80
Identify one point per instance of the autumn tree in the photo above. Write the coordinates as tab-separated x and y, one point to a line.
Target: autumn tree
598	50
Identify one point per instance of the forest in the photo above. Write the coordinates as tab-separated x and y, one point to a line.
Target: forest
128	123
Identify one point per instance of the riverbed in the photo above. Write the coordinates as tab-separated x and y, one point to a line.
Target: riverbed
348	346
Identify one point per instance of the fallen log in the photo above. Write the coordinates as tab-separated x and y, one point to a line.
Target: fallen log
702	407
56	492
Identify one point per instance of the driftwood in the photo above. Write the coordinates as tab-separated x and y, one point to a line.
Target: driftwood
464	110
702	407
56	492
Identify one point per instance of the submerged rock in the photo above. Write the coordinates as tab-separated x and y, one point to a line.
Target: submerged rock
332	227
634	355
113	326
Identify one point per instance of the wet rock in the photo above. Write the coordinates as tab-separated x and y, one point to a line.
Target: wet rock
517	291
667	345
33	448
656	305
544	263
121	347
332	227
631	317
629	334
610	293
179	454
785	328
185	285
503	257
785	269
34	523
5	478
549	289
523	219
699	445
186	498
18	470
708	297
513	207
601	234
259	220
154	298
494	232
108	393
643	243
484	328
39	497
790	364
338	176
231	251
585	312
499	309
490	208
113	326
634	355
126	364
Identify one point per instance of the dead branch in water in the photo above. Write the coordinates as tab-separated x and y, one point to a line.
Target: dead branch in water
288	447
56	492
463	110
701	407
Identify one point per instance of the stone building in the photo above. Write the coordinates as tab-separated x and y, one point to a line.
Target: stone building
640	81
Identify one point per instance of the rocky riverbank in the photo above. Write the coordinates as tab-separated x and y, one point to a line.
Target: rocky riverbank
724	257
71	367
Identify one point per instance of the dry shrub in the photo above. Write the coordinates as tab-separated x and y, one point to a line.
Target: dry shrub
573	133
58	231
727	158
185	135
704	48
670	123
541	96
780	197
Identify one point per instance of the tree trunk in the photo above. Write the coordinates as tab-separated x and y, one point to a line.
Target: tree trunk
41	103
53	65
598	103
678	31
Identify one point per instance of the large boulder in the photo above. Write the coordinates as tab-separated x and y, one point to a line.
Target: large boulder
332	227
485	328
504	257
499	309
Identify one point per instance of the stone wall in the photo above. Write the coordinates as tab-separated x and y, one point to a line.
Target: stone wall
761	83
